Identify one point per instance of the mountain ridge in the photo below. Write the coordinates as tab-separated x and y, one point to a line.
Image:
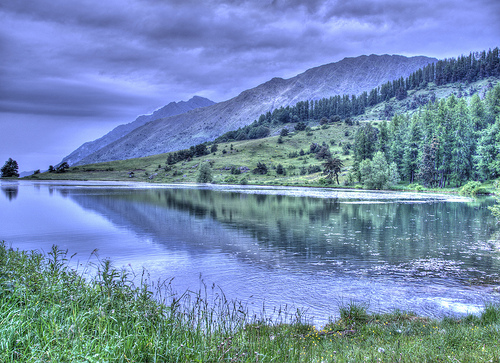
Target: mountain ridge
348	76
171	109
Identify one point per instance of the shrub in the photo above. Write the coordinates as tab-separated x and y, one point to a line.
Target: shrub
260	169
301	126
235	170
204	174
323	153
495	209
377	174
61	168
230	179
472	188
416	187
313	169
284	132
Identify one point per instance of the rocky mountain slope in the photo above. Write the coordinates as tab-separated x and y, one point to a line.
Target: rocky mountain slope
172	109
349	76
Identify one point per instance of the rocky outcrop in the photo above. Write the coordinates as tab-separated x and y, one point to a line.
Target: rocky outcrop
349	76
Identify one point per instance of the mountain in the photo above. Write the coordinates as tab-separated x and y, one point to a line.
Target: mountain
348	76
172	109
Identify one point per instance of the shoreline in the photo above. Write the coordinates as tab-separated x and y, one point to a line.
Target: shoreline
144	184
55	314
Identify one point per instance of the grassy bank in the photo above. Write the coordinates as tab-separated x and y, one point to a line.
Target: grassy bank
242	155
51	313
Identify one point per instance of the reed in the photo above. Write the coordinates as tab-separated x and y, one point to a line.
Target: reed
53	312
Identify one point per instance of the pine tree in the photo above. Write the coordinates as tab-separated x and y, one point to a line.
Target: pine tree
411	150
332	168
487	157
10	169
365	142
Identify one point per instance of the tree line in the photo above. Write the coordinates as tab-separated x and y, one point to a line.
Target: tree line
446	143
471	68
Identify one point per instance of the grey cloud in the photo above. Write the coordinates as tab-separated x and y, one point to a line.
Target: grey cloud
58	97
98	58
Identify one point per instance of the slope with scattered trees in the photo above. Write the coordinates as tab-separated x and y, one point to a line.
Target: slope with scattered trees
445	142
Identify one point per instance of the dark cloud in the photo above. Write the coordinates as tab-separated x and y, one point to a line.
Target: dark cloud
112	60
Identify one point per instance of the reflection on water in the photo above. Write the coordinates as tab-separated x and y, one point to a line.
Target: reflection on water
311	248
10	191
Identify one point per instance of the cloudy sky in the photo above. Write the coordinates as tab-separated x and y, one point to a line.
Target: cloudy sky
70	71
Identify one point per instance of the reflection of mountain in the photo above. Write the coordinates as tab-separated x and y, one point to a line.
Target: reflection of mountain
300	231
10	191
176	229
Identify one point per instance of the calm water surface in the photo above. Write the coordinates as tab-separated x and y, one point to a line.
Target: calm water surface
312	249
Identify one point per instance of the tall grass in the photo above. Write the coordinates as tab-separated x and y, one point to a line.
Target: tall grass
51	312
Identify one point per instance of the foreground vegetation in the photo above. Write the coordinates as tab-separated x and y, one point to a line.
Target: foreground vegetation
52	312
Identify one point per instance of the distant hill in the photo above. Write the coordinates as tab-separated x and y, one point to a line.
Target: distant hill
349	76
172	109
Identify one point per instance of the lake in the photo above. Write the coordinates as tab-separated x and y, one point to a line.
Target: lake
307	248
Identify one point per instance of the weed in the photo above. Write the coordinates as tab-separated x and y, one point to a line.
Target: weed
52	312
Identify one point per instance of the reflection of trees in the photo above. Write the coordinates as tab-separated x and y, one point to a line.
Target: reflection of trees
389	231
10	191
333	231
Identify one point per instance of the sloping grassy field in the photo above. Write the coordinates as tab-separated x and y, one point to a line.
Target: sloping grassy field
241	154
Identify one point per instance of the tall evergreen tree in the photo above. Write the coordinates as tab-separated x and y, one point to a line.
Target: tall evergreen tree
487	157
427	170
10	169
411	150
332	168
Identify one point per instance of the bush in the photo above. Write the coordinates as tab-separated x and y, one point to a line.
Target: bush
325	181
260	169
416	187
472	188
313	169
204	174
230	179
235	170
61	168
377	174
323	153
495	209
301	126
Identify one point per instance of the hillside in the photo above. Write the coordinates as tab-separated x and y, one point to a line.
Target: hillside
349	76
420	97
172	109
244	155
290	159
